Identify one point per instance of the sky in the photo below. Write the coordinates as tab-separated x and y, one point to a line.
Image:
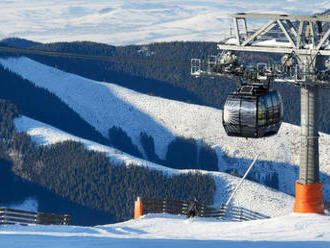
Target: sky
134	22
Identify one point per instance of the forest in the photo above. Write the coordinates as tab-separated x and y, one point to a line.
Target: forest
82	179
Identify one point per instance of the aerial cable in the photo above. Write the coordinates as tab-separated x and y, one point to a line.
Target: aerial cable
105	58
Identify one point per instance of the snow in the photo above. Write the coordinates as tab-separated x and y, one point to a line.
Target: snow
251	195
29	204
163	230
121	22
104	105
271	42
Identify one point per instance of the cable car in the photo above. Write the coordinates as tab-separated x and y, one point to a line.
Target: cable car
253	111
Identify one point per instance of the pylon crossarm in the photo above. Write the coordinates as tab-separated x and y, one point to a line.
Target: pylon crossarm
277	48
281	34
261	30
286	33
292	28
281	16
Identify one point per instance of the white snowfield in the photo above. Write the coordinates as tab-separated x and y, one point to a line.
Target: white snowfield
104	105
121	22
163	230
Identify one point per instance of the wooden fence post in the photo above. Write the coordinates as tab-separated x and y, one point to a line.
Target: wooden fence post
241	215
36	218
164	206
138	208
4	216
202	212
66	220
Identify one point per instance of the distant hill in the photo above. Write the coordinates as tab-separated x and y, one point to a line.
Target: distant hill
19	43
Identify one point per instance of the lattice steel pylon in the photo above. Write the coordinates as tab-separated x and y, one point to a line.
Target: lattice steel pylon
304	42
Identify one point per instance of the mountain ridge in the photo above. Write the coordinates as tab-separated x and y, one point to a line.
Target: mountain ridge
278	168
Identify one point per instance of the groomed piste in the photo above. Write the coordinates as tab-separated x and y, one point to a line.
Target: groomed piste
163	230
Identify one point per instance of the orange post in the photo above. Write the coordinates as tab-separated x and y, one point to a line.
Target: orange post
138	208
309	198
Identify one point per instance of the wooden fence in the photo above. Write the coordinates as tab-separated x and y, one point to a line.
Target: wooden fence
145	205
14	216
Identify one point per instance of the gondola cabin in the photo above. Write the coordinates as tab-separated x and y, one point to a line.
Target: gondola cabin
253	111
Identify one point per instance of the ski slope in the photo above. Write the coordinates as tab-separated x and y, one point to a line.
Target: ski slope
162	230
29	204
104	105
122	22
251	195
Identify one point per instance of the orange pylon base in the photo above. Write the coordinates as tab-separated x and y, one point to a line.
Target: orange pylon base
138	209
309	198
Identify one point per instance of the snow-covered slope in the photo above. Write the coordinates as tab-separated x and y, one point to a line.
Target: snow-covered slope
131	22
29	204
104	105
303	231
251	195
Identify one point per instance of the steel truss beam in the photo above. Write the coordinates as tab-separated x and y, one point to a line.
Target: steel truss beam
281	16
303	34
267	49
